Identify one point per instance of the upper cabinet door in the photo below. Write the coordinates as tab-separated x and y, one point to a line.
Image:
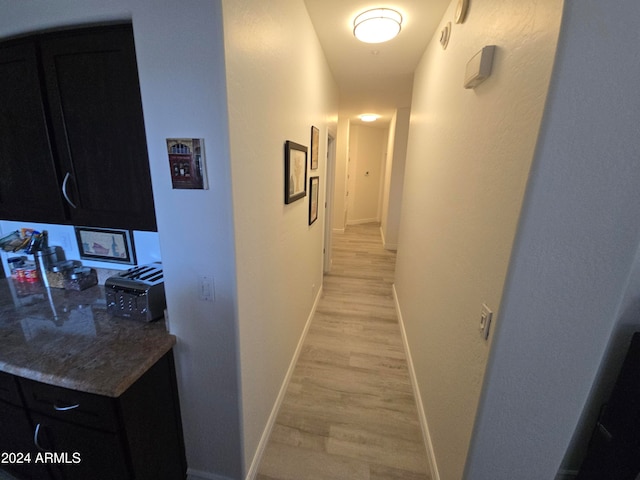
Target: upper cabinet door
91	82
29	187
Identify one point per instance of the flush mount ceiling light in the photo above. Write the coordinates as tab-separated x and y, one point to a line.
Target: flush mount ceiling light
368	117
377	25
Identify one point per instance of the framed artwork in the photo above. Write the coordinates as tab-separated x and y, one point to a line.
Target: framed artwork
295	171
314	184
105	245
315	141
187	163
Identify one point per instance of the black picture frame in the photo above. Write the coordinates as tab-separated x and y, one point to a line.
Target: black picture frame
295	171
315	143
106	245
314	195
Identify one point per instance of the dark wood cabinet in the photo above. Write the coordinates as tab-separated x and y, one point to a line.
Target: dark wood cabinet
135	436
28	180
16	434
614	448
81	452
72	138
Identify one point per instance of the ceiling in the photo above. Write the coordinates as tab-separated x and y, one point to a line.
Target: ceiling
374	78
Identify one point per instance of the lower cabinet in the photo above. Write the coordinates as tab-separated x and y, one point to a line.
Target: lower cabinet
75	452
16	444
76	435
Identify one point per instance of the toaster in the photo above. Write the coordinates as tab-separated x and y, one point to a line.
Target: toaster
137	293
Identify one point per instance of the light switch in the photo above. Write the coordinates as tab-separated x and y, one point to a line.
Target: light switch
205	288
485	321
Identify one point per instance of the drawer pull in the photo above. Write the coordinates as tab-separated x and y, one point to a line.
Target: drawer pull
35	439
64	409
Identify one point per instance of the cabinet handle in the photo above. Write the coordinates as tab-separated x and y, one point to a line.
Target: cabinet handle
35	439
64	190
64	409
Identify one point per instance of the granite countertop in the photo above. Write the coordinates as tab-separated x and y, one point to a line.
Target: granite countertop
67	338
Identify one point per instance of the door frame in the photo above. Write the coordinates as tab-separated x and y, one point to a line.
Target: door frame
330	175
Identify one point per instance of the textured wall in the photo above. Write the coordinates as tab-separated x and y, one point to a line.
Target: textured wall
468	160
576	248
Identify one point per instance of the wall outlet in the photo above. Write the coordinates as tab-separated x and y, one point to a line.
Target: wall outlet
206	291
485	321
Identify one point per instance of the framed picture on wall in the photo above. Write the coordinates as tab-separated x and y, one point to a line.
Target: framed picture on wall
295	171
106	245
315	141
314	184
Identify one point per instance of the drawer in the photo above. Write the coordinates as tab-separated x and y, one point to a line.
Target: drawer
9	389
81	408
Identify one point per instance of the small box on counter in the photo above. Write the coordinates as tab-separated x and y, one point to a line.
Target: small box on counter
59	271
81	278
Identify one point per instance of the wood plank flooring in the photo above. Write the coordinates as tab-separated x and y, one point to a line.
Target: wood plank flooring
349	411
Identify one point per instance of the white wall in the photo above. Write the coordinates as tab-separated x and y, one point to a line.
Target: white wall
576	254
279	85
367	152
394	178
386	181
195	227
468	159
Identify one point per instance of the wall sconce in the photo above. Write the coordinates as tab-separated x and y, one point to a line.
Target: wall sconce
377	25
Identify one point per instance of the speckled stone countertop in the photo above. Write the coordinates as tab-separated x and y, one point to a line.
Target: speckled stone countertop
67	338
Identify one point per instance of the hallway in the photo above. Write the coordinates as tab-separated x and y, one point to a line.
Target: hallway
349	411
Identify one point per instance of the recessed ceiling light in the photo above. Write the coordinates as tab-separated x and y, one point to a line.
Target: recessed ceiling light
377	25
368	117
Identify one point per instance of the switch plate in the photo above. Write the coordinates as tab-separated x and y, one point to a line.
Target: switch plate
206	290
485	321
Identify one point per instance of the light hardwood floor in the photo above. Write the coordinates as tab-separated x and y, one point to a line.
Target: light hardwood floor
349	410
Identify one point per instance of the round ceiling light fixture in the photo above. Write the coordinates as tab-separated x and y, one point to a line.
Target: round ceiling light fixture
377	25
368	117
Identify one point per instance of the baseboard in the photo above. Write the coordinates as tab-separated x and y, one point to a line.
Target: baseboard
363	221
198	475
433	466
257	458
385	245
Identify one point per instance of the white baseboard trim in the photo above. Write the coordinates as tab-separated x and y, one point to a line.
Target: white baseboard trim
199	475
433	466
385	245
255	463
362	221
